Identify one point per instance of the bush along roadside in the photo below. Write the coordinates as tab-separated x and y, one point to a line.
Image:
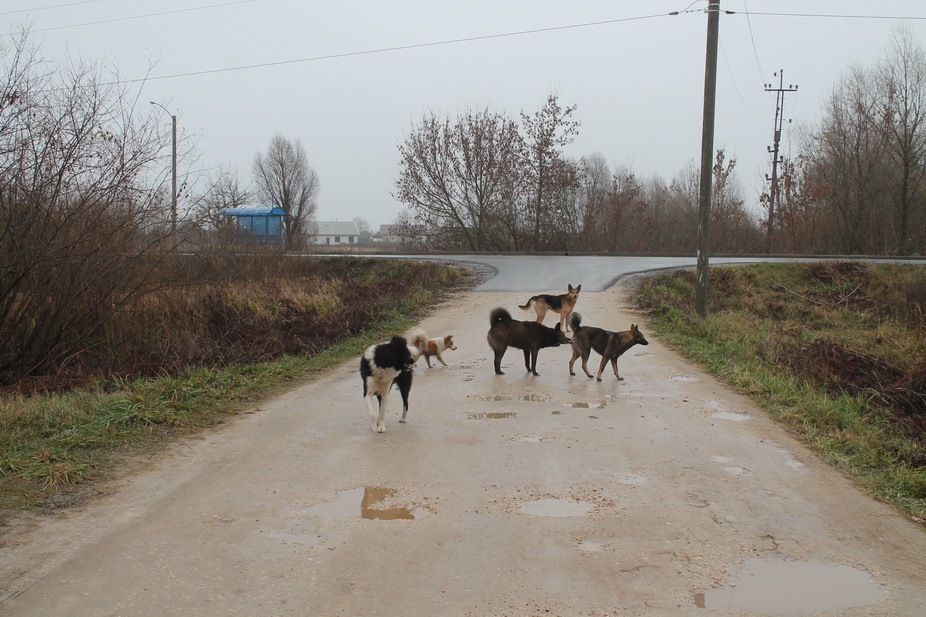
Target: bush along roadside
52	444
836	351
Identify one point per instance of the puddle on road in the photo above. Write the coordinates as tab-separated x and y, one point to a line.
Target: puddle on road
530	398
490	415
557	507
363	501
593	405
726	415
792	589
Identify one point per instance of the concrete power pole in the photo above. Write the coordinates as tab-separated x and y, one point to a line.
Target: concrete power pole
779	121
707	154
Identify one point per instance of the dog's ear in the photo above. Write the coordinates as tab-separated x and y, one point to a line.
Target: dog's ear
579	288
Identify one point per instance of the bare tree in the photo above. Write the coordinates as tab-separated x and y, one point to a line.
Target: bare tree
547	131
224	191
81	236
461	178
901	78
284	179
848	162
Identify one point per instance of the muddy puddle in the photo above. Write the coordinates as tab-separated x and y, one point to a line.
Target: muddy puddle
557	507
365	502
733	417
490	415
584	405
530	398
792	589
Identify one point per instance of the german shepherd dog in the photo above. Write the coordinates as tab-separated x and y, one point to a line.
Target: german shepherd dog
530	336
562	304
609	344
381	366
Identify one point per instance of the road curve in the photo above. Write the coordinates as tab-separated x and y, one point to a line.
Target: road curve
504	495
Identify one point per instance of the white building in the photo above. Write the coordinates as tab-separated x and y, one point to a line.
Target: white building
336	233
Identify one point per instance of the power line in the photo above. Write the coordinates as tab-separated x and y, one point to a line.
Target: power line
828	15
134	17
382	50
52	6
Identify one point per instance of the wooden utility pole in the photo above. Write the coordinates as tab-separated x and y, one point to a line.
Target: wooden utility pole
779	120
707	154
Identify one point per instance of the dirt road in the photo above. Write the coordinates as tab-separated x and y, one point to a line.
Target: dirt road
503	495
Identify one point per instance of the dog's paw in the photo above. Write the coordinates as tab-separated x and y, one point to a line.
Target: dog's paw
381	428
402	420
599	379
620	379
571	373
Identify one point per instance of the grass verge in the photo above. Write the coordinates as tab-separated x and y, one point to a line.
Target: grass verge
834	351
55	447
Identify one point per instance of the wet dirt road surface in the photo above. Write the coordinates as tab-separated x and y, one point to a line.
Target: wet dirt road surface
663	494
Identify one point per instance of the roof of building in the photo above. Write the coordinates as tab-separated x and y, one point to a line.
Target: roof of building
254	211
337	228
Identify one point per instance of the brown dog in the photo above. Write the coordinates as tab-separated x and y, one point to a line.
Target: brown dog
609	344
527	335
562	304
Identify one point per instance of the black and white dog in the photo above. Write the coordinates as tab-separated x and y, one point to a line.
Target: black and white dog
381	366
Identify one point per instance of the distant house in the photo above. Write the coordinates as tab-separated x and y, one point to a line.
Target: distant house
260	225
408	235
390	233
336	233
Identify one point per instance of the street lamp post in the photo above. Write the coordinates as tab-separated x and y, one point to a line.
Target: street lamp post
173	167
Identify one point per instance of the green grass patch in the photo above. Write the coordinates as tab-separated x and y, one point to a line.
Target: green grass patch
835	351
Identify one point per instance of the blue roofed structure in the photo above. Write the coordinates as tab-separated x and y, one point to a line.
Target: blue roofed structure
258	225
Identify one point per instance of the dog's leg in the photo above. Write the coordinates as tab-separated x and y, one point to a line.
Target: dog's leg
439	357
371	408
498	360
541	313
405	387
427	359
614	366
527	360
381	418
604	363
534	353
564	321
585	356
575	354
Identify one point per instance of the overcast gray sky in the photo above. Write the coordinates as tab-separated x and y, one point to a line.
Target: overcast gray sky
350	78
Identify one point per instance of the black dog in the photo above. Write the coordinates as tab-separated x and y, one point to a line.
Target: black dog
527	335
611	345
380	367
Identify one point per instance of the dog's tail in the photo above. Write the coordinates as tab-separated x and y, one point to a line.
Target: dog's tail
527	305
575	321
418	337
417	340
499	315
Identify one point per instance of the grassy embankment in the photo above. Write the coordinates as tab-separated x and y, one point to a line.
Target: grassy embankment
835	351
261	331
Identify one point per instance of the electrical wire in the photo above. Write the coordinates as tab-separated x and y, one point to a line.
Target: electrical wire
134	17
834	16
45	8
382	50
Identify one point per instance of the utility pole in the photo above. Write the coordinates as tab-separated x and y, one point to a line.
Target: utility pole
707	154
173	168
779	121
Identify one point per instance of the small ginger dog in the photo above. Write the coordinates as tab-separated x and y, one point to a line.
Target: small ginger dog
421	345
